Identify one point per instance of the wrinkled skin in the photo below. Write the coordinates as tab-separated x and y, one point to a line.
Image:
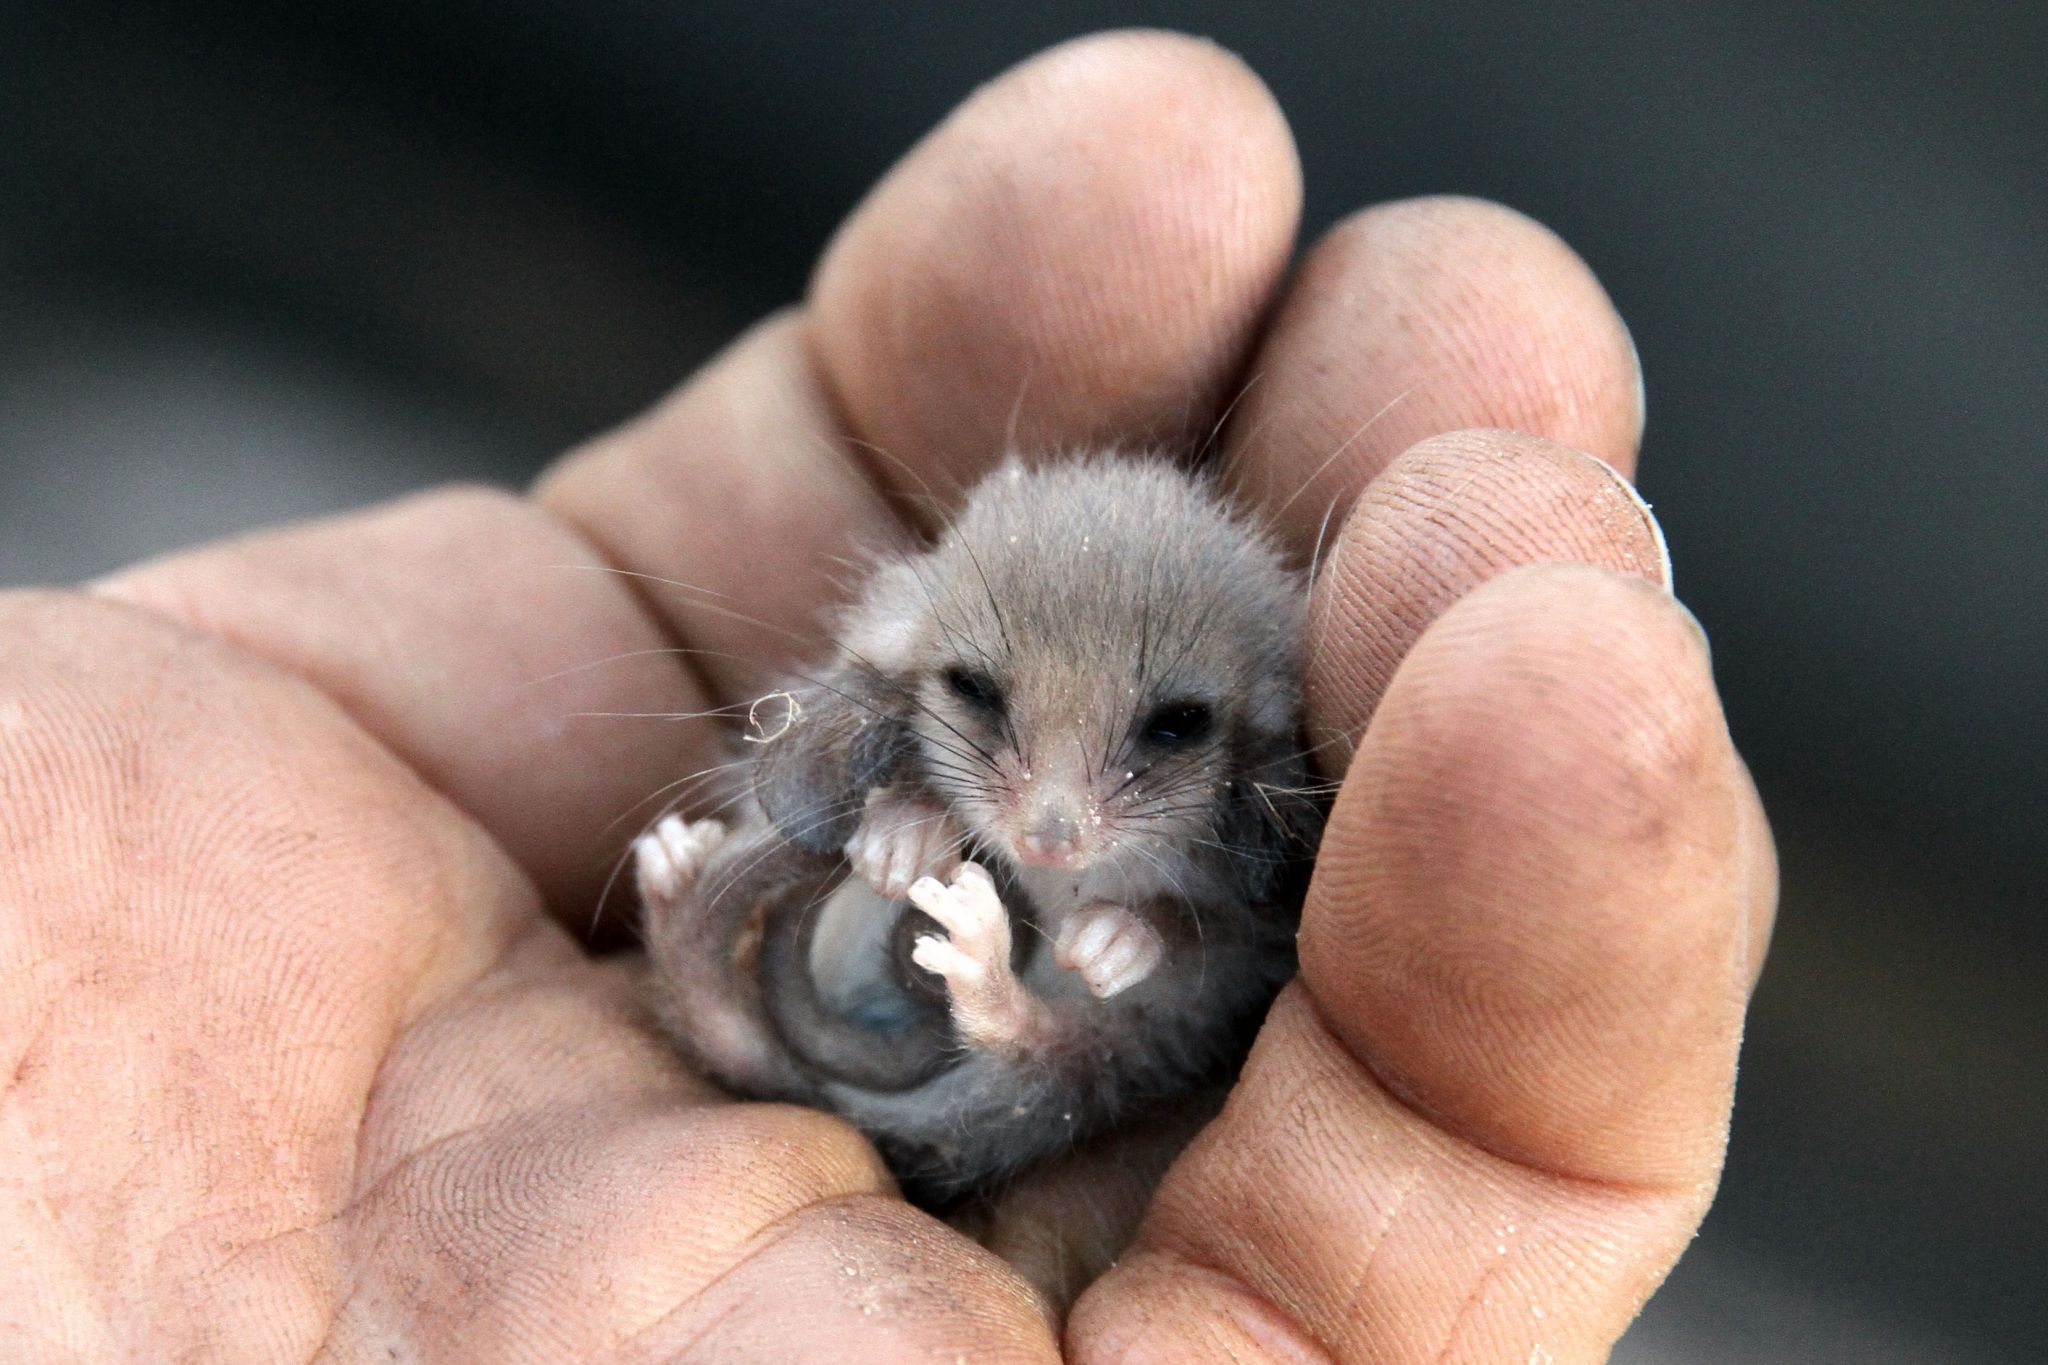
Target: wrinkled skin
297	1059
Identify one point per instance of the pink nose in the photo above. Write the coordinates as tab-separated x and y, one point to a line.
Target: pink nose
1048	848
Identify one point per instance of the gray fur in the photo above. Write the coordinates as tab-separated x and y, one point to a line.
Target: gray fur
1089	593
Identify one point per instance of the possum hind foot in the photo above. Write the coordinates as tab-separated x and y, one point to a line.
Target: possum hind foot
991	1007
668	860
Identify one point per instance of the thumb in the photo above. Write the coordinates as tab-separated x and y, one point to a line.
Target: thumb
1489	1116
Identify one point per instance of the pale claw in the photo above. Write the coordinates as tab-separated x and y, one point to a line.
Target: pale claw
1113	948
669	858
939	957
902	837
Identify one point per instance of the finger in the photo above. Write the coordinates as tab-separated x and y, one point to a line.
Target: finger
486	646
1020	276
736	508
1443	518
1760	853
1078	255
1421	317
1557	738
1492	1111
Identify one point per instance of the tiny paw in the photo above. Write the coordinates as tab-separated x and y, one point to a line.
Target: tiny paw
991	1007
970	912
1113	948
939	957
901	838
668	859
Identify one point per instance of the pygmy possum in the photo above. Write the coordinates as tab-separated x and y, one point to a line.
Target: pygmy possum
1024	858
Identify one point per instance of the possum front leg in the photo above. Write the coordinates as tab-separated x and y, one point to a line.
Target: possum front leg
1036	1073
668	866
903	835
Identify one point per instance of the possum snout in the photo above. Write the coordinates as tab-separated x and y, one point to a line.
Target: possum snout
1051	839
1057	823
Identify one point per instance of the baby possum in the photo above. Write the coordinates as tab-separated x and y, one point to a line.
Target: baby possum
1069	737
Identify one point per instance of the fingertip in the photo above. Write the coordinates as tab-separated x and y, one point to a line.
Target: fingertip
1156	1309
1451	513
1529	911
1760	863
1424	316
1656	565
1078	254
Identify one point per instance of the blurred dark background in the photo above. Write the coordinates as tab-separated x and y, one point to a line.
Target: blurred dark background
262	260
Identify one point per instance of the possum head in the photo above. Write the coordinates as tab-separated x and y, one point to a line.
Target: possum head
1097	666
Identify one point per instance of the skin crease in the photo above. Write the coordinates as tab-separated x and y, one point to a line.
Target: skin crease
294	1064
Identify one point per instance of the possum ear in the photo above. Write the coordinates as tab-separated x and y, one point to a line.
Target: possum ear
821	748
1272	822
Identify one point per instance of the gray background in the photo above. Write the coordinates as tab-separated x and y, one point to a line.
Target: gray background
259	261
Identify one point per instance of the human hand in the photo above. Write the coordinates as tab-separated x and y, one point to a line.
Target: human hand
296	1063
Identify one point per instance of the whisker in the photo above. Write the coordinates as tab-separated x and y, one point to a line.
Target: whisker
1338	453
1208	446
735	710
938	504
620	657
700	775
1315	556
1173	879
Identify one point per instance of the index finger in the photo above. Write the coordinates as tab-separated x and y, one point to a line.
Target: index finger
1078	254
1416	318
1490	1114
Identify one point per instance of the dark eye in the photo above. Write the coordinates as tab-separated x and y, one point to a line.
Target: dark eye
975	688
1176	722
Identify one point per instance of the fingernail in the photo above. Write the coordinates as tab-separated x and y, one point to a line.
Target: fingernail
1706	644
1642	394
1650	522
